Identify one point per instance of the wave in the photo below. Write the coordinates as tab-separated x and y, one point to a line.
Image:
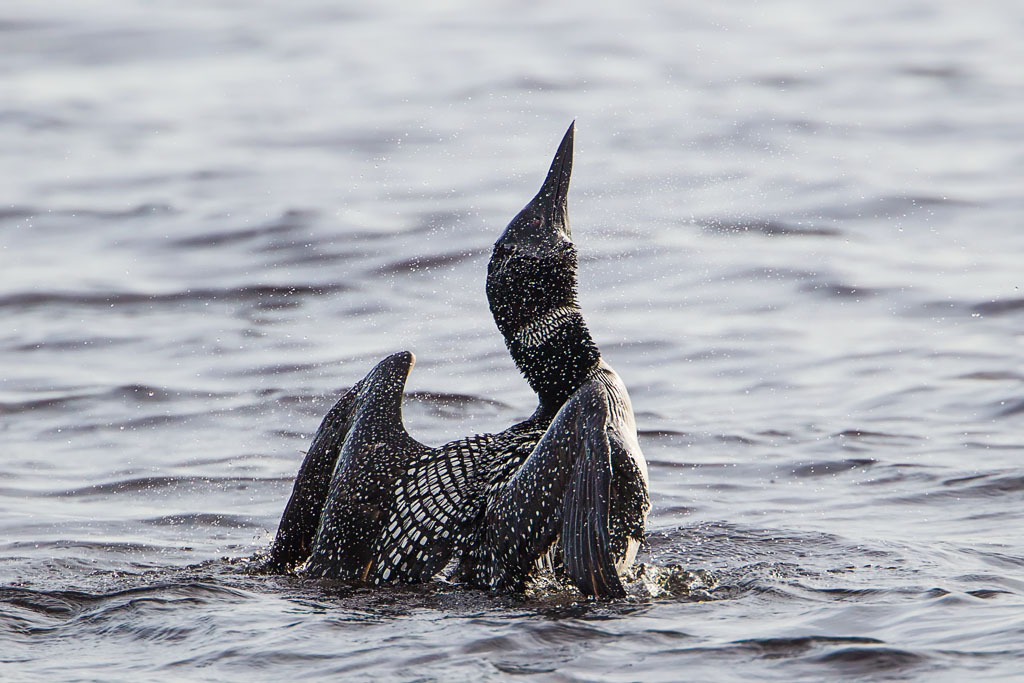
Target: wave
423	263
840	290
450	399
132	393
140	210
1010	408
244	293
203	519
150	484
998	306
102	547
988	308
289	221
868	661
831	467
989	485
762	226
64	604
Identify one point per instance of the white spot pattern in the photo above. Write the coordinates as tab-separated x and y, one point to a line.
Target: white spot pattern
538	331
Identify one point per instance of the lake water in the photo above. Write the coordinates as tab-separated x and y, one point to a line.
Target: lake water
801	247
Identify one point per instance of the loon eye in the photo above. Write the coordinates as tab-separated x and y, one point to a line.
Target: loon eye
534	222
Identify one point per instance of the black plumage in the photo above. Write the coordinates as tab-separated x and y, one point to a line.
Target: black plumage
372	504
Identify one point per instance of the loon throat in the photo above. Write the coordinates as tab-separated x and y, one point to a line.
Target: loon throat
543	328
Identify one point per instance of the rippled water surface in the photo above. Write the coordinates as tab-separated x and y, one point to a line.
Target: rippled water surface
801	247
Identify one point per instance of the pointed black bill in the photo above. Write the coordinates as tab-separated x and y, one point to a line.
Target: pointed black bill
554	193
544	222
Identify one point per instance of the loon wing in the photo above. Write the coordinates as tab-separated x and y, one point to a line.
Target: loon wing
435	504
586	546
563	489
301	517
373	456
372	504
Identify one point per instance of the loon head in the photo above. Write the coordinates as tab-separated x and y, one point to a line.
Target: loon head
532	270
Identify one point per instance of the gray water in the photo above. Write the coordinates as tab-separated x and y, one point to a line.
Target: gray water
799	227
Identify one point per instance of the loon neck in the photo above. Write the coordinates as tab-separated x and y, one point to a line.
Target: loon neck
555	353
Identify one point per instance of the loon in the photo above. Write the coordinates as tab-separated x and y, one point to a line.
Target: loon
372	504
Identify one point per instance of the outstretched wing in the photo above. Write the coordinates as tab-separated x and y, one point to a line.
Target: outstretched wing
435	505
563	489
370	503
375	453
301	518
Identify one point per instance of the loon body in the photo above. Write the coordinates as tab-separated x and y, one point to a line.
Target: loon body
372	504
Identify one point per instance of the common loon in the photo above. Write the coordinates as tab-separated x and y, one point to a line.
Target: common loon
372	504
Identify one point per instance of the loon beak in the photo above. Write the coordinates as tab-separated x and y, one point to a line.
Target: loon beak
544	222
554	193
